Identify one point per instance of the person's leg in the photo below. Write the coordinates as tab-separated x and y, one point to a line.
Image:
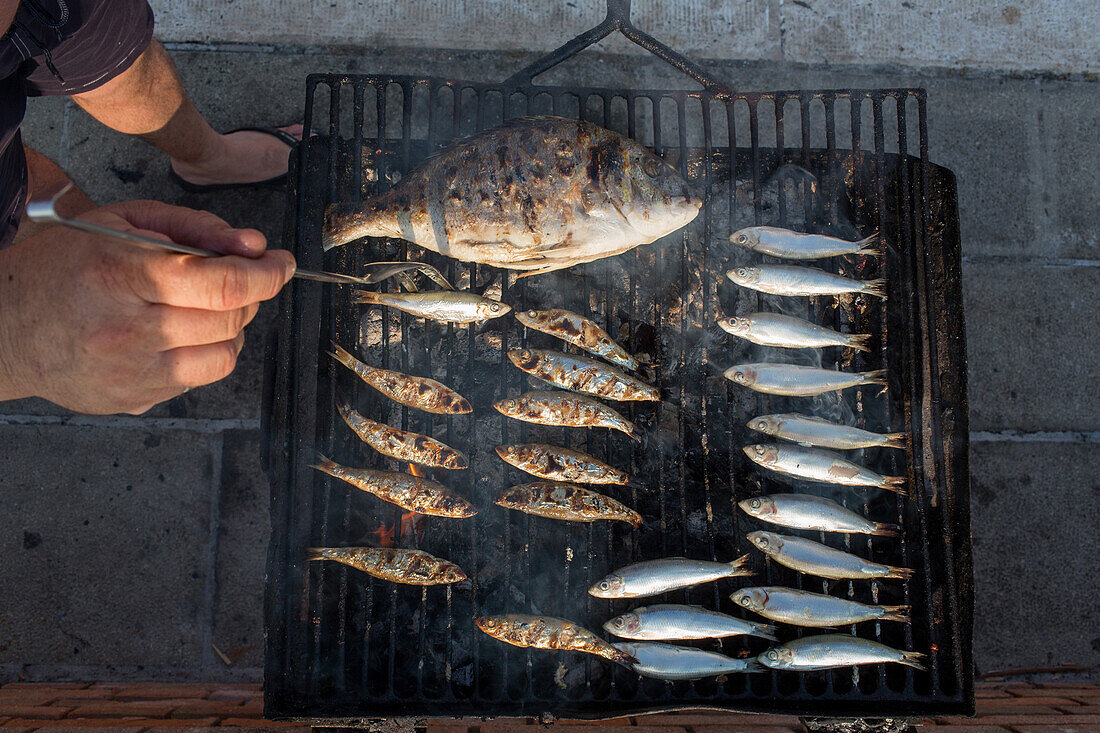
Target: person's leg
148	100
44	175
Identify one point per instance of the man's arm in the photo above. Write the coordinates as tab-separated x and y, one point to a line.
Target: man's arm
99	326
45	175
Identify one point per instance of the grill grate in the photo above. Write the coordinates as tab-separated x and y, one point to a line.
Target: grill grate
341	646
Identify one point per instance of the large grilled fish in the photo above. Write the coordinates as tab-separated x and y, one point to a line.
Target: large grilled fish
581	374
413	493
412	567
547	632
569	502
537	194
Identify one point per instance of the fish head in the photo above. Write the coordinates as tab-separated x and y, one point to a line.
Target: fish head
745	276
742	374
736	325
757	506
610	587
767	542
656	198
627	624
508	408
766	424
761	453
778	657
531	318
491	625
754	599
747	238
487	309
525	359
454	460
451	573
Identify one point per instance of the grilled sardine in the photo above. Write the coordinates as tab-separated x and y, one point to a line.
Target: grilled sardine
787	332
572	503
579	331
804	511
796	280
793	380
560	464
801	245
672	621
569	410
449	306
413	493
671	662
411	567
581	374
401	444
547	632
419	392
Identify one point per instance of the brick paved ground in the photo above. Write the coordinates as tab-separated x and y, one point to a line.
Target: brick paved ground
1048	707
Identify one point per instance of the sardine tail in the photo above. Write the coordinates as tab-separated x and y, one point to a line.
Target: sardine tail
876	376
896	440
898	573
897	484
635	519
765	631
621	657
326	465
340	354
876	287
872	245
738	566
883	529
896	613
315	553
753	667
914	660
369	297
860	341
631	429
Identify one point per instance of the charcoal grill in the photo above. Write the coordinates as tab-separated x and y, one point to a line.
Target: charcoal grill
343	648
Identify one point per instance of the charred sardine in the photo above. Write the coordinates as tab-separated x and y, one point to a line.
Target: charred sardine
411	567
569	502
581	374
413	493
547	632
401	444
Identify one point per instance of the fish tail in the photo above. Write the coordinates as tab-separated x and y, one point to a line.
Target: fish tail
875	287
872	245
752	667
316	553
635	519
326	465
621	657
895	613
738	566
876	376
882	529
914	660
896	440
859	341
340	354
898	573
369	297
766	631
630	429
897	484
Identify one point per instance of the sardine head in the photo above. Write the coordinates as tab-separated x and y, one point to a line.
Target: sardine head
452	574
757	506
747	238
487	309
777	658
754	599
454	461
736	325
525	359
625	625
766	542
508	408
763	454
741	374
744	275
610	587
530	318
765	425
491	625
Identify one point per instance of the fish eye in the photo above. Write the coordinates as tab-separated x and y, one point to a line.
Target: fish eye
494	307
532	314
773	655
760	449
762	541
739	376
651	166
742	272
742	238
754	503
509	403
617	622
744	600
604	585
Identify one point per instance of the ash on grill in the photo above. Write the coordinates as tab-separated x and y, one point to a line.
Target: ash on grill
342	646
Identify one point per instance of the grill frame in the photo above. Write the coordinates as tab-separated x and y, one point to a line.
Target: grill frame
300	383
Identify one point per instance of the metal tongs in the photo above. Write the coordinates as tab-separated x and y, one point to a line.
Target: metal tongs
43	211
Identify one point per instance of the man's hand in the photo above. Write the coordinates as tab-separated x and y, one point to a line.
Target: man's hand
100	326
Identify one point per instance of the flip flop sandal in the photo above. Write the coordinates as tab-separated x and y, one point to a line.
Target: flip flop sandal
278	183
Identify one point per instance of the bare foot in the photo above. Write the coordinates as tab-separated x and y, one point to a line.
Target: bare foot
243	157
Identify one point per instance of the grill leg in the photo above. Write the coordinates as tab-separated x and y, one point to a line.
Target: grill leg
858	725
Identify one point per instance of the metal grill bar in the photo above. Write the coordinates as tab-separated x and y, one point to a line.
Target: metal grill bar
327	624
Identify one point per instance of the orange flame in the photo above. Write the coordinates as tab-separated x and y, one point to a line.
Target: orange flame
384	535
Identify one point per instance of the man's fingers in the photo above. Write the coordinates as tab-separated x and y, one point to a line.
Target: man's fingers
174	327
212	283
192	227
194	366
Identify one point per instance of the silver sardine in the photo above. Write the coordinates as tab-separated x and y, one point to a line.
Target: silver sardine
825	651
803	511
815	431
787	332
671	621
794	380
802	608
670	662
815	464
814	558
796	280
449	306
657	576
793	245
